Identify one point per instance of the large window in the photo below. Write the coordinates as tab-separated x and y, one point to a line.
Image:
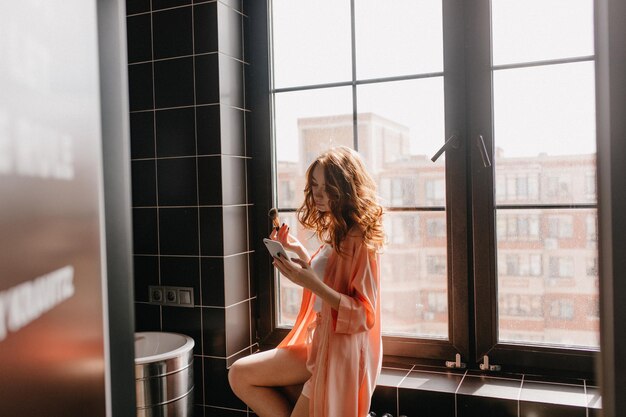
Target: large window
491	258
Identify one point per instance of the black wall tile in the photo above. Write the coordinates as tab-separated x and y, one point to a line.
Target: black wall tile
137	6
230	81
140	86
232	136
208	129
172	33
143	174
181	272
233	180
139	38
433	381
145	231
205	27
235	279
235	230
229	31
173	82
213	281
533	409
235	4
142	135
178	231
237	327
474	406
214	331
198	386
163	4
425	403
175	132
217	391
198	409
210	180
384	400
207	79
177	182
146	273
221	412
211	231
147	317
186	321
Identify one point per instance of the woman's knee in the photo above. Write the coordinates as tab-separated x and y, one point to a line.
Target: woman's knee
237	376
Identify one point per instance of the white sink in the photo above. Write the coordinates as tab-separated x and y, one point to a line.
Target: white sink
160	346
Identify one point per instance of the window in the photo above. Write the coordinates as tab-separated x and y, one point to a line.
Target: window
396	83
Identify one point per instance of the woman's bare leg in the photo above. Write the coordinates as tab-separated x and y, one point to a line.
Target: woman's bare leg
258	379
302	407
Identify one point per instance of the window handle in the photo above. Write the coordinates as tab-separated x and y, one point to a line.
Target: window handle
452	142
480	142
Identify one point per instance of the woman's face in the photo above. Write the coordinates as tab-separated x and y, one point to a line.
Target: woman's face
318	188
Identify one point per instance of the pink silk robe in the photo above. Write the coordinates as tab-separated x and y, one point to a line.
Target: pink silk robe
346	352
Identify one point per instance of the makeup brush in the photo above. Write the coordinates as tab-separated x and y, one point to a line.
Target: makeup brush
273	215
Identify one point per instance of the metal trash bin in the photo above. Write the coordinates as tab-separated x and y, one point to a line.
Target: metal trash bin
164	374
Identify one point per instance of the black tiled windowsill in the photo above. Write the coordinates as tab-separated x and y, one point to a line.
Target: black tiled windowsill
416	390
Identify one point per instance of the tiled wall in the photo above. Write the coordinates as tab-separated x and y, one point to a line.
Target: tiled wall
421	391
190	206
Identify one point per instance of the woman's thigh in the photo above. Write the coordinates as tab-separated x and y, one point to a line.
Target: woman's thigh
274	368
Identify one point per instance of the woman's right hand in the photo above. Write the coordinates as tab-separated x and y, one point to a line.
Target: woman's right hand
289	242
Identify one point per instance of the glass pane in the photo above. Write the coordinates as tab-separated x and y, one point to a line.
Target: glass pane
534	30
548	277
306	124
311	42
401	125
545	134
414	280
402	39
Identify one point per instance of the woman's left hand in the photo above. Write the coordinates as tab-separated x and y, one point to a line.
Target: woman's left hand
298	271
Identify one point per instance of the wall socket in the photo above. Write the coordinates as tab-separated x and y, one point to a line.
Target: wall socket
171	296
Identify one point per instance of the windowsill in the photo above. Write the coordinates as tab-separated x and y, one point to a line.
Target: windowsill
430	390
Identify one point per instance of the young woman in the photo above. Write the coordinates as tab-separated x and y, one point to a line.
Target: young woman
328	364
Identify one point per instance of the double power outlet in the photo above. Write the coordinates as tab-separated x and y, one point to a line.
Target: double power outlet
172	296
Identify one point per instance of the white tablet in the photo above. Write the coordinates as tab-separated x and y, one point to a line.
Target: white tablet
275	247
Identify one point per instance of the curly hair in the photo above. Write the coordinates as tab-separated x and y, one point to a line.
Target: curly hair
352	200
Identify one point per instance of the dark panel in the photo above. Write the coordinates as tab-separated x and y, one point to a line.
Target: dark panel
210	180
177	182
212	281
181	272
198	386
175	132
235	279
214	331
205	27
137	6
220	412
173	82
432	381
143	174
230	81
186	321
217	391
415	402
178	231
229	29
172	33
145	231
235	4
163	4
235	230
139	38
474	406
211	231
207	79
147	317
146	273
208	129
233	180
142	135
237	328
140	86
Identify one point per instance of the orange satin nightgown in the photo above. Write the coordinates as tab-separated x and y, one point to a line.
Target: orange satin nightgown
345	354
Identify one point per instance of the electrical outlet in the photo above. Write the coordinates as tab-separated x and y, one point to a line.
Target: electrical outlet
171	295
155	294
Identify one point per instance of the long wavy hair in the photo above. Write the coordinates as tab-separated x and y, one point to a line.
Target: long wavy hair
352	200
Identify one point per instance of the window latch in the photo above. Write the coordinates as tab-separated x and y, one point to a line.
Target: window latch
457	364
451	142
486	366
480	142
